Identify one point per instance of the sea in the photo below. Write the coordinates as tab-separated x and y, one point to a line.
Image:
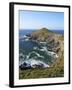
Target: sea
29	49
28	31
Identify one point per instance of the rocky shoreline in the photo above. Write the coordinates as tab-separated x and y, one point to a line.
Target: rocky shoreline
50	43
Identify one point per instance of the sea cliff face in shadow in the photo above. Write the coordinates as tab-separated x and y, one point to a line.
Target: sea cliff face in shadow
46	59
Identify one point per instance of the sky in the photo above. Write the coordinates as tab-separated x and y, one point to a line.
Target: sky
41	19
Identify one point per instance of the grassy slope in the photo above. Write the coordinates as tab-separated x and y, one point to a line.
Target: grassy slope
57	70
41	34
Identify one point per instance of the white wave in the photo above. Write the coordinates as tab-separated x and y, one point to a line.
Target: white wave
21	37
43	42
44	49
27	56
21	54
35	53
53	54
35	48
33	62
26	39
25	36
38	62
49	52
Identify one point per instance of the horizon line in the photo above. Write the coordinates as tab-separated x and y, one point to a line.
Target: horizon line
38	29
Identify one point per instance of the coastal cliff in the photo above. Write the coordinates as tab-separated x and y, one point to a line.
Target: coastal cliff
51	44
52	40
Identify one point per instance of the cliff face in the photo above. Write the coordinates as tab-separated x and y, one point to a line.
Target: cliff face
54	41
45	34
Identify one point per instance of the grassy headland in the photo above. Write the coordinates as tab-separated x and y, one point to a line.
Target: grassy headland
54	43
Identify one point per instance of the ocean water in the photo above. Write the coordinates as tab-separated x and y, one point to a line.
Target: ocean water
58	31
29	49
25	31
28	31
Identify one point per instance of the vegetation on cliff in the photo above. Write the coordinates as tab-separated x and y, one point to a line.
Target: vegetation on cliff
53	42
